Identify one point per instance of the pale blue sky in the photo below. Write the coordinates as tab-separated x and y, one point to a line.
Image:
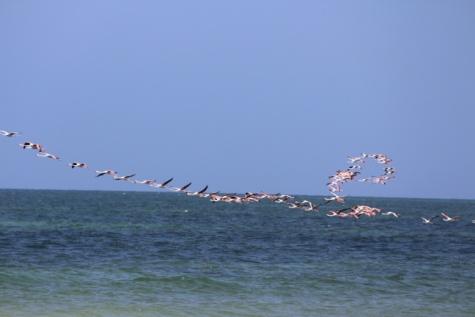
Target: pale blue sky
241	95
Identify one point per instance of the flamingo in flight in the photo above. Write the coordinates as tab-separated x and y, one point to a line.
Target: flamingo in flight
9	134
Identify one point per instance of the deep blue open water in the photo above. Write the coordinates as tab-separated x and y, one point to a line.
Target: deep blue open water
73	253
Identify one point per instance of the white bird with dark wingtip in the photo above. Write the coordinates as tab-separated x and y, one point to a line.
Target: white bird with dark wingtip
48	155
106	172
164	184
78	165
33	146
181	189
447	218
309	206
335	198
382	180
200	193
391	213
124	178
149	182
357	159
9	134
428	221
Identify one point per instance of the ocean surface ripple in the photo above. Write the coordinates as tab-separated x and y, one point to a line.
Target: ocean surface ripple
75	253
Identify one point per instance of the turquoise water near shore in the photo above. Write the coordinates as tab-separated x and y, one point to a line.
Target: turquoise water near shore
74	253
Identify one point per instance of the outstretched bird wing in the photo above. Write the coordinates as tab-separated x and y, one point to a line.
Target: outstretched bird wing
168	181
203	190
186	186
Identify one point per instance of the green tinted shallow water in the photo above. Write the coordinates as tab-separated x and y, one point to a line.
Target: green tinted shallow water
145	254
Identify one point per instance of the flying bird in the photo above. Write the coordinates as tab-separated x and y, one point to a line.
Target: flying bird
181	189
48	155
124	178
162	185
391	213
78	165
149	182
447	218
215	197
9	134
336	198
357	159
308	206
199	193
33	146
428	220
106	172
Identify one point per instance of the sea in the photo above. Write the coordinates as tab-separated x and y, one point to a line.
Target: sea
99	253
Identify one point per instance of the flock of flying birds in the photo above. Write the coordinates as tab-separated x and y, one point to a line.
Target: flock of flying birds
334	185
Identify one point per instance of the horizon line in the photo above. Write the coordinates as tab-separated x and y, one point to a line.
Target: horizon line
162	192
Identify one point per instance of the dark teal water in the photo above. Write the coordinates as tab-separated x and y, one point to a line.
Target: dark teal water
65	253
